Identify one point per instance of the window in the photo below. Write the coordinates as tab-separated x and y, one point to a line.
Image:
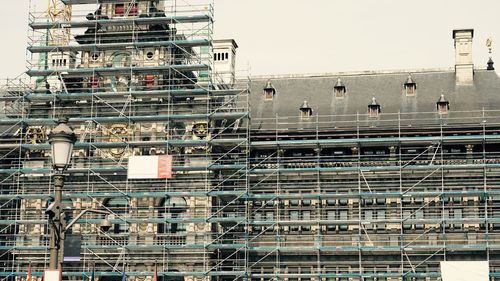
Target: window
227	56
150	55
457	214
305	110
343	217
368	219
172	209
339	89
410	91
330	215
374	109
443	105
269	91
306	216
410	86
94	82
294	216
118	206
149	80
419	216
120	9
381	216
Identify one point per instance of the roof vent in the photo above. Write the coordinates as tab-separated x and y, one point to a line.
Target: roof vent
374	108
269	91
442	105
305	110
339	89
410	86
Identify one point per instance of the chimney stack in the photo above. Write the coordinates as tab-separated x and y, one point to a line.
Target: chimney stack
464	69
225	61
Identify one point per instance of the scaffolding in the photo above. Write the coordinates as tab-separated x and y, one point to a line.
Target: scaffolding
134	78
330	198
353	197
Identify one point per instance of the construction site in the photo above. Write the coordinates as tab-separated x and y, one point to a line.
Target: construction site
375	175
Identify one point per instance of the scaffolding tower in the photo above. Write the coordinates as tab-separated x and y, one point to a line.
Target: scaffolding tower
134	78
353	197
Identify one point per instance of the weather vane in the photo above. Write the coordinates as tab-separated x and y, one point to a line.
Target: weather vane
489	43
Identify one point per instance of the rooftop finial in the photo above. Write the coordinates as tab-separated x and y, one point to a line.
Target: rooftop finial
305	105
409	80
269	85
339	83
489	44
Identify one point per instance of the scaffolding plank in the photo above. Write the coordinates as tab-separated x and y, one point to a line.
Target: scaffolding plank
121	21
108	71
120	46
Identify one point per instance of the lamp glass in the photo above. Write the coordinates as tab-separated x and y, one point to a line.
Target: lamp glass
61	153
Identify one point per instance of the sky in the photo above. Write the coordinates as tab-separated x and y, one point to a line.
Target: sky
319	36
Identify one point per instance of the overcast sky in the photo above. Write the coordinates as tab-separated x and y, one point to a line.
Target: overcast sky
316	36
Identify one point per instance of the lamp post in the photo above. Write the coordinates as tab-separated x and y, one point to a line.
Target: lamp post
61	140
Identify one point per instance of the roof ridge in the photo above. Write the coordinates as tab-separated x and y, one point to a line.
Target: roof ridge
354	73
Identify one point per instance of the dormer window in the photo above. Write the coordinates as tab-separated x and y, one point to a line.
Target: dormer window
339	89
442	105
374	109
305	110
410	86
269	91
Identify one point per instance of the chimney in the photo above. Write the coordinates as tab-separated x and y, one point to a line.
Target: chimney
464	69
224	61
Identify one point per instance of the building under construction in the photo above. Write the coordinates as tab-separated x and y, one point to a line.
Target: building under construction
351	176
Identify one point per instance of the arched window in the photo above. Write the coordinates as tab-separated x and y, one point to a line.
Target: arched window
172	208
119	207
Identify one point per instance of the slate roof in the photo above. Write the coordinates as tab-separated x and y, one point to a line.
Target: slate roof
387	87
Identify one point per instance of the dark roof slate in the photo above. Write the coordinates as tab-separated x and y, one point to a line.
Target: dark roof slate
387	88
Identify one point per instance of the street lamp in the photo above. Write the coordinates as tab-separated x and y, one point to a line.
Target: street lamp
61	140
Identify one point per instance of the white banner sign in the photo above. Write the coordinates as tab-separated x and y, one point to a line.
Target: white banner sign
52	275
150	167
465	270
